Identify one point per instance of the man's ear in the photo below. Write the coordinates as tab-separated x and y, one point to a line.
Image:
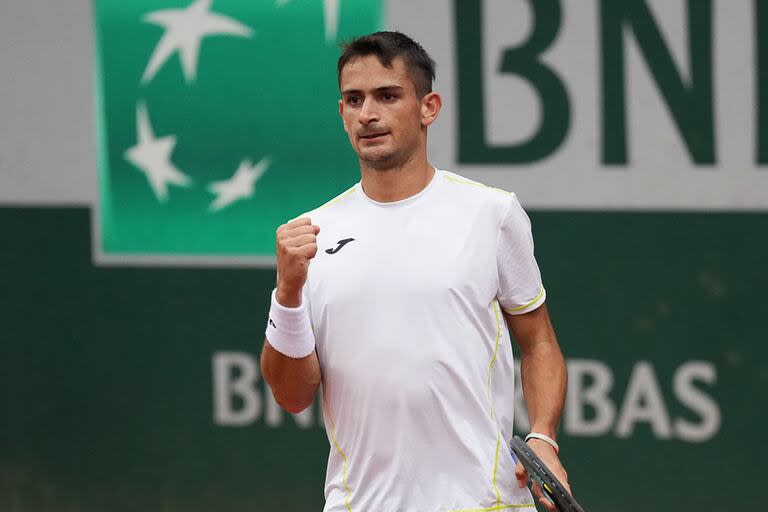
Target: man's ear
431	104
341	114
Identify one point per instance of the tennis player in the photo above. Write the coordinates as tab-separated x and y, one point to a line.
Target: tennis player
396	297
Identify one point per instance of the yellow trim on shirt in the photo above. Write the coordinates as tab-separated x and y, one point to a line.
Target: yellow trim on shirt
327	408
490	399
495	468
496	507
520	308
473	183
337	198
493	359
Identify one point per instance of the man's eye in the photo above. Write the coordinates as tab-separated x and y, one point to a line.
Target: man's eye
353	100
387	97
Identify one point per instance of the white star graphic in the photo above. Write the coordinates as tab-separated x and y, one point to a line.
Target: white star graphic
330	15
239	186
184	31
153	157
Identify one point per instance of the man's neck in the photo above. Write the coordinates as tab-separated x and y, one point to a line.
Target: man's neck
397	183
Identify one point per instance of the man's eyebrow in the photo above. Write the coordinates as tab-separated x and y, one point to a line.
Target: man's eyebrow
385	88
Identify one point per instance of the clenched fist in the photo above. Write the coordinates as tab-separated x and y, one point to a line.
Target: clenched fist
296	245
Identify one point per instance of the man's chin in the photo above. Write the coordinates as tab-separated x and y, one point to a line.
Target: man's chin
378	160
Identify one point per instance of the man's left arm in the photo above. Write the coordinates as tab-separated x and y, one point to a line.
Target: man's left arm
544	378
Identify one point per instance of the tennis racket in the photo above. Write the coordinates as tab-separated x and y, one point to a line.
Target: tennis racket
537	470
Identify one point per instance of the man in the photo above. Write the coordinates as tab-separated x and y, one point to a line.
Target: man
400	315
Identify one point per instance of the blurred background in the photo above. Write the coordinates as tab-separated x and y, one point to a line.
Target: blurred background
149	149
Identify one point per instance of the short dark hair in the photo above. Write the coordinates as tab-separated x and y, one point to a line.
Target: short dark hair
387	46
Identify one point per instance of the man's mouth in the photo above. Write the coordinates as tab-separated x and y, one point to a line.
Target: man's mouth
373	136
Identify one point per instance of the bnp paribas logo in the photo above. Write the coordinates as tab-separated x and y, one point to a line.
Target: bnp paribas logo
217	122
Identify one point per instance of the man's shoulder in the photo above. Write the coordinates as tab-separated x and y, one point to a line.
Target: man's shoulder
337	204
463	190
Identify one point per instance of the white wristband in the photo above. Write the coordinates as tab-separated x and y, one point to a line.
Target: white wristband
289	330
551	442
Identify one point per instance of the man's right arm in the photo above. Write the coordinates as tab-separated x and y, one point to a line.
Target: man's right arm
294	380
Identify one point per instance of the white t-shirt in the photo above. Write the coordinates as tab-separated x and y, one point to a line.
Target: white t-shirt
406	305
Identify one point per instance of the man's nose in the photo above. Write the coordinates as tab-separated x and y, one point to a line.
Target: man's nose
369	113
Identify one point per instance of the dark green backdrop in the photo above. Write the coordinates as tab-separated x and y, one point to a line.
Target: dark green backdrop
106	379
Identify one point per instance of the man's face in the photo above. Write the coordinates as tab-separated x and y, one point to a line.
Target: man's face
381	111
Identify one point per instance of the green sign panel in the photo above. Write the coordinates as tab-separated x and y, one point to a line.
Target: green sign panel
155	402
217	123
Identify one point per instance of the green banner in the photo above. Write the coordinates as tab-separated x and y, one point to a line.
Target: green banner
218	122
125	389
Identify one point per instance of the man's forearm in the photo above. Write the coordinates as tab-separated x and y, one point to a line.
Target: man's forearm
544	378
294	382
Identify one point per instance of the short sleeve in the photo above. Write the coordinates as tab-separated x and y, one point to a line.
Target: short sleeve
520	288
